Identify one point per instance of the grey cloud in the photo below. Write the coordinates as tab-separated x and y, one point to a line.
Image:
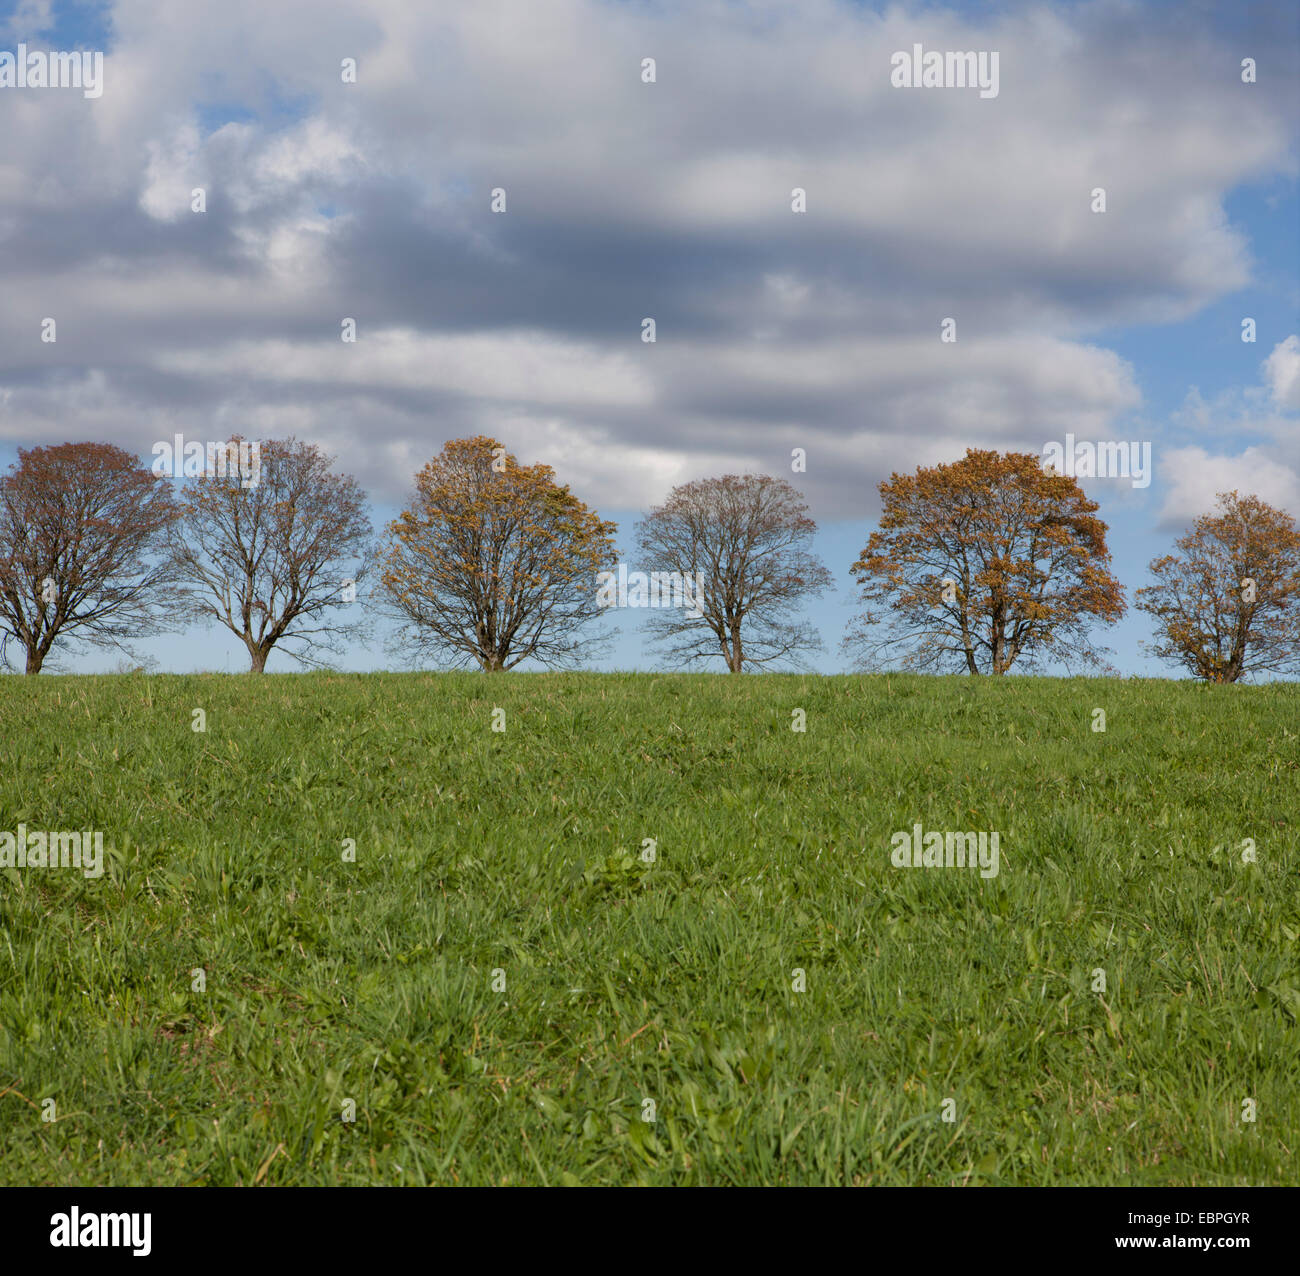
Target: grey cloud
625	200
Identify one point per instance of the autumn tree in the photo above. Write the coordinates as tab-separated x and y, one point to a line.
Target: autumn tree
749	539
983	563
494	562
1227	601
276	555
82	530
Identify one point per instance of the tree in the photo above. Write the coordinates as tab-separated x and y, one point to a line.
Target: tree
276	558
1227	602
979	564
494	562
748	537
79	526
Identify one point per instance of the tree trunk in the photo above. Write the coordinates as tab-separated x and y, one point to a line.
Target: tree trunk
35	659
259	655
736	656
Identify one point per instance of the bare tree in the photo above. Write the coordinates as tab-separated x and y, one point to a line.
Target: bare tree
79	526
747	537
277	558
495	563
1227	602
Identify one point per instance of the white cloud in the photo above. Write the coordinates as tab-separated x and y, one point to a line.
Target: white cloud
175	168
1194	479
508	367
1282	371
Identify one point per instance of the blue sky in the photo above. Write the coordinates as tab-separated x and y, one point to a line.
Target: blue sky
669	199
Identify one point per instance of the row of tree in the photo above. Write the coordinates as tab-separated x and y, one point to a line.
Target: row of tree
991	562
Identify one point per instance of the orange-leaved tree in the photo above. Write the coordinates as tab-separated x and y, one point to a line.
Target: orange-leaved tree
1227	601
494	562
982	564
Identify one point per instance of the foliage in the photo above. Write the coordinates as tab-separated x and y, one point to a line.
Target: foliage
1227	603
979	565
81	530
495	563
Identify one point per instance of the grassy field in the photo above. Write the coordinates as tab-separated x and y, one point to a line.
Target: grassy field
515	856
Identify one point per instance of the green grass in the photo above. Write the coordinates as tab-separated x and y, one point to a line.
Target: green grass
519	851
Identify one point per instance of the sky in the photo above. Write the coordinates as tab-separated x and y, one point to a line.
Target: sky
672	199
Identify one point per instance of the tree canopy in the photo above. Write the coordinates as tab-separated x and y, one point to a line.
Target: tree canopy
749	537
1227	601
277	561
82	532
981	564
494	562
